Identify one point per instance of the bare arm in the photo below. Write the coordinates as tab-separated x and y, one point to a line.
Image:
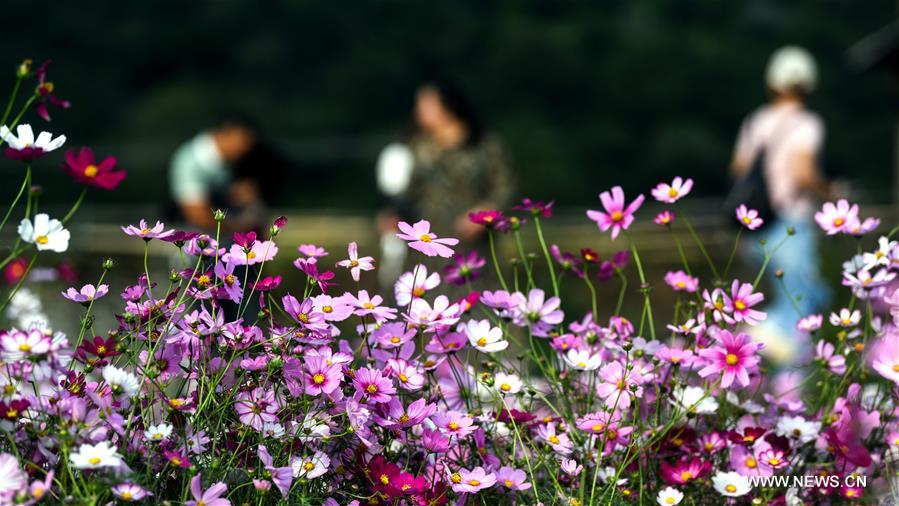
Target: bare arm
807	175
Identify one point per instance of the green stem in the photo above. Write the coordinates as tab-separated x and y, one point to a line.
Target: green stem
18	197
75	206
12	100
499	271
647	304
702	248
733	252
549	262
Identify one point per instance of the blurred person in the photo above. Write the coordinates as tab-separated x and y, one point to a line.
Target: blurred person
201	175
448	167
783	139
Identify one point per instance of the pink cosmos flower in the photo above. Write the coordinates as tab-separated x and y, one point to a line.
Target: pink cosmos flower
87	293
322	376
130	492
212	496
741	301
773	458
538	312
414	284
145	232
282	477
256	252
355	263
685	471
749	218
472	482
733	356
408	375
675	355
454	423
536	207
837	218
230	282
859	228
422	239
256	407
825	353
465	267
680	281
512	479
571	467
334	309
810	323
664	218
671	193
886	360
373	385
617	385
617	216
366	305
312	251
393	335
433	318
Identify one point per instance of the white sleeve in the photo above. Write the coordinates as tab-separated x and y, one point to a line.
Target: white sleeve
394	169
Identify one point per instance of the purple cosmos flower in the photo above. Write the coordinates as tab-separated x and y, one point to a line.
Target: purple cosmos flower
371	384
87	294
512	479
355	263
84	169
749	218
310	269
145	232
741	301
435	442
859	228
422	239
664	218
684	471
536	207
268	283
180	237
571	467
305	314
321	377
567	261
396	416
282	477
414	284
230	283
472	482
617	216
491	219
671	193
734	357
540	313
45	94
212	496
393	335
465	268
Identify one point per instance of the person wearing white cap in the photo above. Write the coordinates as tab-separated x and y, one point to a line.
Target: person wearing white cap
780	142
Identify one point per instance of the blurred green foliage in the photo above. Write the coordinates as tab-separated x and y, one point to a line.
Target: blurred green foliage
585	94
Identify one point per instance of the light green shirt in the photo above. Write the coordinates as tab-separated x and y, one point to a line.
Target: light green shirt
197	171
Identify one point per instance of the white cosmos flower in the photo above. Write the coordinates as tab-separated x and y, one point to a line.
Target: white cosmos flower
797	427
310	466
273	430
24	138
669	496
484	337
880	256
845	318
731	484
582	360
12	478
44	233
95	456
159	432
695	400
121	381
507	383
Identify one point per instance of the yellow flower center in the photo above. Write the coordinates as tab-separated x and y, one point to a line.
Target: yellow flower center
474	483
740	305
229	279
896	368
453	426
251	255
25	347
773	461
598	427
508	483
418	291
318	379
42	239
554	439
751	463
12	413
327	309
395	340
372	389
403	378
176	461
91	171
617	216
309	466
505	387
94	461
731	359
681	284
354	263
686	476
672	192
731	488
747	220
425	238
838	222
482	341
456	478
404	418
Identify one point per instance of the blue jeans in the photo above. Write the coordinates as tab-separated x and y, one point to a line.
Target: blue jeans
800	262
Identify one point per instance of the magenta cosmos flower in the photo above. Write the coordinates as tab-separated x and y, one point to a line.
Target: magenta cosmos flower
749	218
373	385
671	193
465	267
422	239
322	376
680	281
212	496
256	407
617	215
836	218
741	301
85	169
355	263
733	356
684	471
87	293
146	232
664	218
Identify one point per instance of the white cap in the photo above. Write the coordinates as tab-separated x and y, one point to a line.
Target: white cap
791	67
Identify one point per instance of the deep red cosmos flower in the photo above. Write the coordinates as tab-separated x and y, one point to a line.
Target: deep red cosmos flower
83	168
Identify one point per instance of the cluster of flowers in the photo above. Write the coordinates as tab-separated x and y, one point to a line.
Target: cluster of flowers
221	385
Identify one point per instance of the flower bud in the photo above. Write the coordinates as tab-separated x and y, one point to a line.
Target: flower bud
779	273
174	276
791	230
24	69
218	215
108	264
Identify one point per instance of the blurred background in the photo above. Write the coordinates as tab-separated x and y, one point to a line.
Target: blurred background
583	95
